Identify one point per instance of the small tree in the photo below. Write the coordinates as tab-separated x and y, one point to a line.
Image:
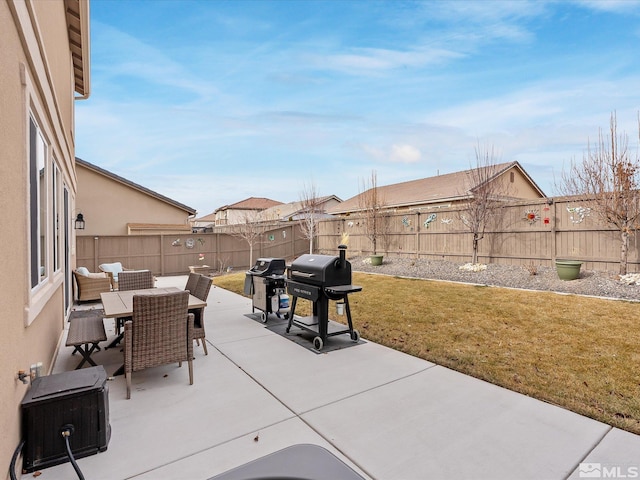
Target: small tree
310	213
608	178
371	204
488	191
250	229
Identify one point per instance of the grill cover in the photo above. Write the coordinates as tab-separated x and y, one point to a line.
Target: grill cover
321	270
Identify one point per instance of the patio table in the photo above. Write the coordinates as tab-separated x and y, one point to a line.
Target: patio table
120	304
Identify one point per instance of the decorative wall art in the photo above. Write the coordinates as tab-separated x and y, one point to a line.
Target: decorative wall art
429	219
190	243
447	221
531	216
176	243
578	214
406	221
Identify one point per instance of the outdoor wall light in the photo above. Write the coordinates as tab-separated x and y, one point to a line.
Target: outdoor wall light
79	225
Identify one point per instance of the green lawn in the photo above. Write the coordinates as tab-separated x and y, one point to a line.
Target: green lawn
576	352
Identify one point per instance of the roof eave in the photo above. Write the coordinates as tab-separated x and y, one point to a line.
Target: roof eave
78	23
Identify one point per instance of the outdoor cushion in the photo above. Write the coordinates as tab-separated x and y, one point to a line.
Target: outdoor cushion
84	271
114	268
96	275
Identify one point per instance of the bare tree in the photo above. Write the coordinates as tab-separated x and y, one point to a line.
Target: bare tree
371	204
608	178
250	229
488	191
310	212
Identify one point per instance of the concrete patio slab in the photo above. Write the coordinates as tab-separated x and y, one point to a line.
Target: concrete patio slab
303	380
238	451
441	424
167	419
616	456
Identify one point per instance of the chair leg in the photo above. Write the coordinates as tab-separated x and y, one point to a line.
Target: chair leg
190	372
128	377
204	345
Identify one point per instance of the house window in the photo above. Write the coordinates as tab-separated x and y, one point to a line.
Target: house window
37	204
512	177
55	202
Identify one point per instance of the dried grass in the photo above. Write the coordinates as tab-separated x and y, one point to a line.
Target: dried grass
580	353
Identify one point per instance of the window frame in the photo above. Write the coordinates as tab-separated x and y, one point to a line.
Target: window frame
39	192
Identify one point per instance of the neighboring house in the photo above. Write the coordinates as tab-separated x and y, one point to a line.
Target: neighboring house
44	68
112	205
204	224
445	190
236	213
292	211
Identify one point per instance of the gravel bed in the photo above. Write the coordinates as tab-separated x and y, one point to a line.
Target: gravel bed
590	282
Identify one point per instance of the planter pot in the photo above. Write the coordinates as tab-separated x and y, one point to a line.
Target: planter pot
376	260
568	269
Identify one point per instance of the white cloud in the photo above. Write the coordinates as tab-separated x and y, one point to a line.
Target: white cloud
405	154
371	60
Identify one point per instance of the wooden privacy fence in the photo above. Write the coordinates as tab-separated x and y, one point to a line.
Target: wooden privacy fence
524	233
173	254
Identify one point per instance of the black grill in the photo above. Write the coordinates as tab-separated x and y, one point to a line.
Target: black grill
321	270
320	278
265	282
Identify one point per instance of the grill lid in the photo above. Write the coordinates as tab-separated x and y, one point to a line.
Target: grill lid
321	270
268	266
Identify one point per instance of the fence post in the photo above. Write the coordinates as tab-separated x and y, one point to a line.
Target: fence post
96	256
292	242
417	234
162	254
554	232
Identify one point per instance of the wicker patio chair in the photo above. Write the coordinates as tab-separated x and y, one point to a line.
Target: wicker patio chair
135	280
192	282
202	292
113	270
89	286
160	333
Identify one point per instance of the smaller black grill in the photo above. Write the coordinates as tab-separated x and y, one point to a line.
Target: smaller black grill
320	278
265	282
268	266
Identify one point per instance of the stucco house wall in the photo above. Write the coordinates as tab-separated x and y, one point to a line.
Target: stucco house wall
37	85
111	205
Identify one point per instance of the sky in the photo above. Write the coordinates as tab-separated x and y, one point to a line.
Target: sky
210	102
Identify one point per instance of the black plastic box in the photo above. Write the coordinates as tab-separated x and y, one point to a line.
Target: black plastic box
79	398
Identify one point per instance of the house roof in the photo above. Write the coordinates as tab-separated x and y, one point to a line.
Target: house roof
124	181
430	190
77	16
251	203
290	209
